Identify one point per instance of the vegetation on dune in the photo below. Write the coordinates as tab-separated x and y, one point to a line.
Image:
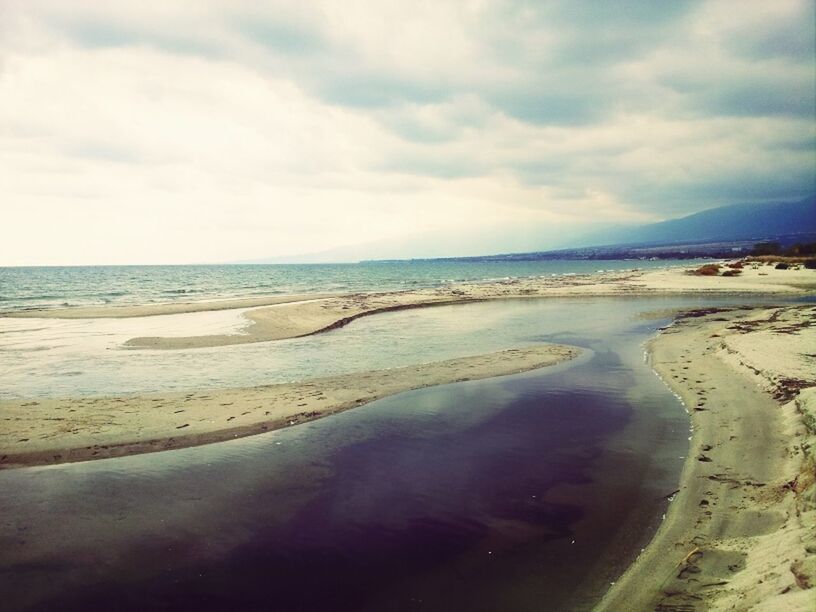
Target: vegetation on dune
707	270
773	253
767	253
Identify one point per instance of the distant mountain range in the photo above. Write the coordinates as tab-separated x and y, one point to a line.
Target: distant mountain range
714	232
738	222
717	232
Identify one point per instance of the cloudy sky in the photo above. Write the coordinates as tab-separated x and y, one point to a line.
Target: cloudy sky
173	132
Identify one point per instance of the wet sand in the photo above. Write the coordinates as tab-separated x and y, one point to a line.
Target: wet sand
48	431
741	532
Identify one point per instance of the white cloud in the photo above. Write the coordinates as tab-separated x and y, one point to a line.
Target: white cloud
188	132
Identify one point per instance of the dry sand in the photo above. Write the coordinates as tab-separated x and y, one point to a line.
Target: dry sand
741	532
76	429
296	316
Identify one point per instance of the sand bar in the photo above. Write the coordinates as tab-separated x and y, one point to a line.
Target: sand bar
302	318
49	431
741	532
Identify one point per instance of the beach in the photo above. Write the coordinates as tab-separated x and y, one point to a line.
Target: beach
738	533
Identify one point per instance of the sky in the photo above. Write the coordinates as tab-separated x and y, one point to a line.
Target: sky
203	131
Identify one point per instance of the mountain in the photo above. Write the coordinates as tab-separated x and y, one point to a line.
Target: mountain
737	222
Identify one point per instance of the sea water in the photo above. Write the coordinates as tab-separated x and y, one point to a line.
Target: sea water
37	287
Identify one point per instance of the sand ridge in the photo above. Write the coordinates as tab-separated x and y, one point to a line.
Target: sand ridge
741	533
48	431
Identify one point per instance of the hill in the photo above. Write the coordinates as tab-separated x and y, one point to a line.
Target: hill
738	222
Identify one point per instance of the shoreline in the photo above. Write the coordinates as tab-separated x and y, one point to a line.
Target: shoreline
740	531
283	317
104	427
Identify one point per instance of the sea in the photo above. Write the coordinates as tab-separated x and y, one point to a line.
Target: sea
47	287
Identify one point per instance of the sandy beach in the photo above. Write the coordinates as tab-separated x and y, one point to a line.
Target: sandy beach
49	431
741	531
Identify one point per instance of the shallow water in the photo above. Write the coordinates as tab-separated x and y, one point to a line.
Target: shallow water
527	492
61	358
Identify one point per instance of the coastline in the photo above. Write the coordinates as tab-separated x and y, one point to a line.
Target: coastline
283	317
735	534
50	431
297	319
740	532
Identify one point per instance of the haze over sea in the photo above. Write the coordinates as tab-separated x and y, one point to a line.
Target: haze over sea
35	287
